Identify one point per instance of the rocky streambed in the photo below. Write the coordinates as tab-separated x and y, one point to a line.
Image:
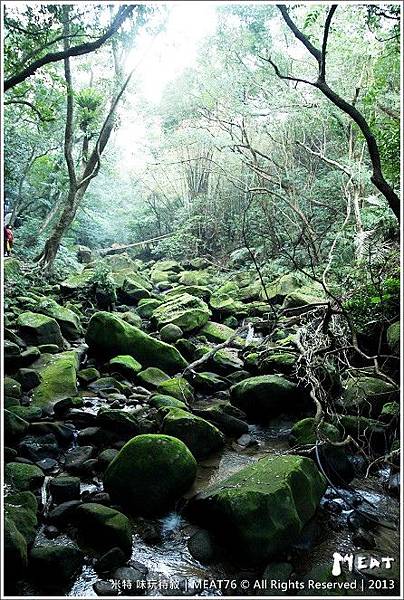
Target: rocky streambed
159	437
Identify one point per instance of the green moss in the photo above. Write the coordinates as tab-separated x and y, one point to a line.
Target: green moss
199	278
178	387
15	550
109	336
216	332
367	394
39	329
68	321
54	564
21	508
12	388
193	290
14	426
393	336
304	432
261	510
200	436
126	365
145	308
77	281
226	305
390	410
161	400
104	527
265	396
152	376
88	375
59	379
186	311
23	477
149	473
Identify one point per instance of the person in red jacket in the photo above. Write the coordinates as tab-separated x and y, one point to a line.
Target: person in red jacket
8	240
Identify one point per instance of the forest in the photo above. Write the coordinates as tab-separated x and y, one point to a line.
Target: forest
201	272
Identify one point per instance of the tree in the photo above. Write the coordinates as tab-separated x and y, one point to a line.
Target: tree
349	108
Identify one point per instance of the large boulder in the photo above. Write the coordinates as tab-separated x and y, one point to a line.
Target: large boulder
265	396
77	281
55	565
37	329
178	387
186	311
21	508
68	321
150	472
260	511
108	336
199	291
134	288
104	527
22	477
126	365
217	332
201	437
59	379
393	337
14	427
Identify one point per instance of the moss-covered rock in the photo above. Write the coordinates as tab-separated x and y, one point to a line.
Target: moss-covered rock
125	365
199	278
15	551
367	394
171	333
135	287
226	305
146	307
152	376
54	565
281	362
109	336
265	396
132	318
21	508
200	436
150	472
59	379
390	412
28	413
88	375
68	321
261	510
186	311
193	290
178	387
393	337
14	426
216	332
77	281
281	287
119	421
162	400
304	432
104	527
109	385
11	268
39	329
12	388
209	382
23	477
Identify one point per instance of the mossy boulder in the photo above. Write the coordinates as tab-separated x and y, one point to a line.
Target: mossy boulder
367	394
162	400
167	265
119	421
14	426
199	278
132	318
304	432
21	508
393	337
150	473
146	307
59	379
171	333
178	387
12	388
135	287
204	293
209	382
216	332
226	305
11	268
15	551
281	287
68	321
77	281
109	336
88	375
152	376
54	565
126	365
23	477
39	329
390	412
265	396
28	413
281	362
200	436
260	511
186	311
103	527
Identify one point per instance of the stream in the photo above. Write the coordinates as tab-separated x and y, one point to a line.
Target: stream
173	571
